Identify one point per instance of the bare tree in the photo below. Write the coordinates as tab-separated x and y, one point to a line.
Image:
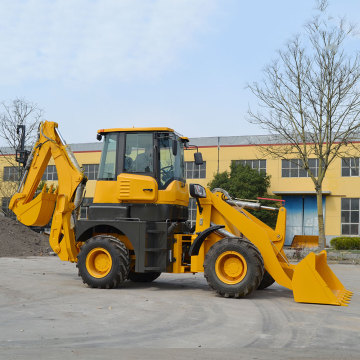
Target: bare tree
310	100
14	113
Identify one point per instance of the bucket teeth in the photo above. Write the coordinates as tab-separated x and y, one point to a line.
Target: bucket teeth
346	298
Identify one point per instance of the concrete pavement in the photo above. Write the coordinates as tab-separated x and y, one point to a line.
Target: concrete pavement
47	313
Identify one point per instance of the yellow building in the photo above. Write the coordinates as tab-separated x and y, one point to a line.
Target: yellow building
288	180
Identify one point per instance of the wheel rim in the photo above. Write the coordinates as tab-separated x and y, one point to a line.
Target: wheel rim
98	262
231	267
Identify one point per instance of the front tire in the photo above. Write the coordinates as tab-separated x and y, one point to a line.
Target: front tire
266	281
103	262
233	267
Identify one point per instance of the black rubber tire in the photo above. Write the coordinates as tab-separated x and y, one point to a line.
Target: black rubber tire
254	262
120	262
143	277
266	281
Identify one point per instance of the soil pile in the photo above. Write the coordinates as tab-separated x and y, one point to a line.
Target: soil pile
17	239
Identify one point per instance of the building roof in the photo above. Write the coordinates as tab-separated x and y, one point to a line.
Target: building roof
237	140
246	140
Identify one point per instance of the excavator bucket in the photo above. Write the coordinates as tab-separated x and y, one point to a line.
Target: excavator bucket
38	211
314	282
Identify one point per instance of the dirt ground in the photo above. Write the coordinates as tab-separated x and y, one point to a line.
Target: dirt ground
18	240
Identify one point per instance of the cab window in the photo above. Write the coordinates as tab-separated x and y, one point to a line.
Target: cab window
171	166
139	153
107	169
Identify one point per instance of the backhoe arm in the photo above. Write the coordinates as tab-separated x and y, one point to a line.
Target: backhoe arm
65	199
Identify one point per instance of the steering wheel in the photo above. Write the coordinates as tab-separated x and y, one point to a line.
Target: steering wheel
166	173
128	163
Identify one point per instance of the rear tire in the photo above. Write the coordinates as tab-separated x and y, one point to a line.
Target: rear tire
143	277
233	267
103	262
266	281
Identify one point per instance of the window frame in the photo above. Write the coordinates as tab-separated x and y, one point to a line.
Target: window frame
294	168
254	164
94	172
5	201
352	169
152	170
11	173
192	211
350	211
105	149
50	170
201	170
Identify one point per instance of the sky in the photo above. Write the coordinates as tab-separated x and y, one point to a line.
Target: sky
183	64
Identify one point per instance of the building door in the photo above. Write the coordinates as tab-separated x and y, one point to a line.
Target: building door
301	216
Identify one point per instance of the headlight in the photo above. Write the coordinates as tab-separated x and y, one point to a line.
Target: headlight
197	191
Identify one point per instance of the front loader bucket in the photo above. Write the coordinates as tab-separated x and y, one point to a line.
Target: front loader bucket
314	282
38	211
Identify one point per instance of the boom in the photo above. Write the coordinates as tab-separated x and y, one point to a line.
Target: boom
64	199
311	280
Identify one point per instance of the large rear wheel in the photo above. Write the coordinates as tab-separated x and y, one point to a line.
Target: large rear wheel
103	262
234	267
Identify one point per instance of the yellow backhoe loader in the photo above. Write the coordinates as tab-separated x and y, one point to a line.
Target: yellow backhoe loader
137	225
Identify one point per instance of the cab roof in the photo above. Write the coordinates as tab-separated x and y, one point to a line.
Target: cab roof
149	129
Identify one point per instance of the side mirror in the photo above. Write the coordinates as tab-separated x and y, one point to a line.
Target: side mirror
98	137
174	147
198	158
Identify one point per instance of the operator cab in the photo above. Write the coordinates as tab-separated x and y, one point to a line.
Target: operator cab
147	163
155	152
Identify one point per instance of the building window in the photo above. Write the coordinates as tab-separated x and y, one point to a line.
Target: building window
259	165
193	171
50	173
5	201
350	167
293	168
350	216
11	173
192	211
91	171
